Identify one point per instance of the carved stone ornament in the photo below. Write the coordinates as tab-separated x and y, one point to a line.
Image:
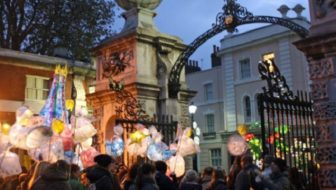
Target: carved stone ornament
325	110
326	154
326	133
116	63
322	68
327	178
319	90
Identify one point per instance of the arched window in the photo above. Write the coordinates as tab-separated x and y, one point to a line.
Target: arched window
247	109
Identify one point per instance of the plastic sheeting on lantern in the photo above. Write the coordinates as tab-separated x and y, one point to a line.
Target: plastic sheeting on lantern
177	165
87	144
38	136
84	130
186	147
87	157
18	136
50	152
144	145
236	145
9	164
67	139
115	147
4	143
118	130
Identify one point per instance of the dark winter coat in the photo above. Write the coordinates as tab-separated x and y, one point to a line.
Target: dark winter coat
206	182
190	186
219	185
102	178
277	182
128	184
146	184
164	182
246	178
53	178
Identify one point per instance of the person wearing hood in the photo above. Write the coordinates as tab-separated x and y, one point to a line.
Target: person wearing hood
162	180
100	175
55	177
206	177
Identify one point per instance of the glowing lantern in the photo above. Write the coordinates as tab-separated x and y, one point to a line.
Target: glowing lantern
187	132
69	104
35	121
270	139
49	152
242	129
57	126
136	137
5	128
22	115
177	165
38	136
87	157
236	145
167	154
154	153
118	130
87	144
115	148
186	147
84	130
9	164
157	137
4	142
18	136
249	136
144	145
152	130
133	148
67	139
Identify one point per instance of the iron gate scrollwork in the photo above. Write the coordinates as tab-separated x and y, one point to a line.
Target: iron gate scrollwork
233	15
287	124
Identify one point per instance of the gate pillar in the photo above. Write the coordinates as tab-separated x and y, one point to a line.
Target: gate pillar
320	49
133	69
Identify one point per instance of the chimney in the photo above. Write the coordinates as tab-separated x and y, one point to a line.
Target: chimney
283	9
215	60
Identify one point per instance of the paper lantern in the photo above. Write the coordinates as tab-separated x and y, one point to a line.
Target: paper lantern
242	129
9	164
186	147
87	157
176	164
67	139
198	131
144	145
152	130
87	144
157	137
115	147
154	152
118	130
270	139
194	125
22	115
133	149
38	136
197	140
236	145
57	126
49	152
69	104
187	132
18	136
173	146
4	142
5	128
136	137
167	154
179	132
84	130
35	121
82	112
249	136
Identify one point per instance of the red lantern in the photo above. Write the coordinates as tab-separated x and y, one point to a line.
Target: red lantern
87	157
249	136
67	139
277	135
270	139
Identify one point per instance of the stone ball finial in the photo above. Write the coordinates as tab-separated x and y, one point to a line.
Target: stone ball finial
298	10
147	4
283	9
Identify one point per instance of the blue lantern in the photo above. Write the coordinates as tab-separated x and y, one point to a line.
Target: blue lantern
115	147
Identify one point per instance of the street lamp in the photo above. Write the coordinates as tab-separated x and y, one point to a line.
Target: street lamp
192	111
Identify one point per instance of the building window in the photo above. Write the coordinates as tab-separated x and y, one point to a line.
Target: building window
245	68
247	109
208	91
37	88
216	157
210	119
268	56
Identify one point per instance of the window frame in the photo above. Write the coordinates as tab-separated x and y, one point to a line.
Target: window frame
241	76
206	90
216	157
35	89
213	122
247	117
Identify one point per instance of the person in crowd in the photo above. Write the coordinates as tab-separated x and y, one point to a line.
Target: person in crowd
234	170
37	171
54	177
132	173
100	175
145	179
246	178
278	179
218	180
163	181
84	181
190	181
267	170
74	178
296	179
206	177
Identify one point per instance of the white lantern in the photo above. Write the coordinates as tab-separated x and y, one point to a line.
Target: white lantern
87	144
84	130
38	136
49	152
177	165
144	145
4	143
236	145
118	130
186	147
9	164
18	136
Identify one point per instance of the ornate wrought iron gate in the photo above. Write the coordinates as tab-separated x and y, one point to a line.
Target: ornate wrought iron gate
164	124
287	124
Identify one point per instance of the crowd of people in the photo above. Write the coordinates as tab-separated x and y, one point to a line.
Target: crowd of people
243	175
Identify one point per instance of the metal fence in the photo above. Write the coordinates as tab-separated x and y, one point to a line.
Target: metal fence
287	124
164	124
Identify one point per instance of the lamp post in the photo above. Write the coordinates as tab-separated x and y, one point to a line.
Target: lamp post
192	111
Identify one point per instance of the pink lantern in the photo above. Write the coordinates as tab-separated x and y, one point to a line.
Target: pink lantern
87	157
67	139
186	147
84	130
177	165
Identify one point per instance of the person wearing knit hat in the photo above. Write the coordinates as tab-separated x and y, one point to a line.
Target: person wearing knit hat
100	175
278	180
